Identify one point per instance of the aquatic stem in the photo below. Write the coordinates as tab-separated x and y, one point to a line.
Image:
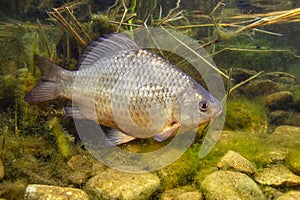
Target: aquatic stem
56	15
123	16
244	82
197	54
255	50
16	118
132	9
46	42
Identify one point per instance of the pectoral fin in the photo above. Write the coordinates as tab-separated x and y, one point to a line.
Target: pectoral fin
166	133
115	137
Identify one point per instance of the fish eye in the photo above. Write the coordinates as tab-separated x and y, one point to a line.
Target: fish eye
203	105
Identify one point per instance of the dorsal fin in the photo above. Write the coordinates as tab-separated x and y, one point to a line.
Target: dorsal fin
105	46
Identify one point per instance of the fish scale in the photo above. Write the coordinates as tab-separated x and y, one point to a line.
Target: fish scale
131	90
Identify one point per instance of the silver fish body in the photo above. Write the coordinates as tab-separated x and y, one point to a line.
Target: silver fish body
132	90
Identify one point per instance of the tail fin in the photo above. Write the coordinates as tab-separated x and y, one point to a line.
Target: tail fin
47	89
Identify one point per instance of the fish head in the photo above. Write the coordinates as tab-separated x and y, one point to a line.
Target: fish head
197	107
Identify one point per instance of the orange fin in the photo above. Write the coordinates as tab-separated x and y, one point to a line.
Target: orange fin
166	133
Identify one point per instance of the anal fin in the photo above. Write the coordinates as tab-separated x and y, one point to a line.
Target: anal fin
115	137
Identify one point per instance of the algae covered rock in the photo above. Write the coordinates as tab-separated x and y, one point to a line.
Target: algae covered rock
112	184
243	114
241	74
261	87
234	161
287	130
277	176
182	193
272	157
291	195
279	100
278	117
225	185
281	77
36	192
294	161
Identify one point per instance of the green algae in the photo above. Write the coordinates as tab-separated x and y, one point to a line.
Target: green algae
29	114
244	114
180	172
63	139
294	161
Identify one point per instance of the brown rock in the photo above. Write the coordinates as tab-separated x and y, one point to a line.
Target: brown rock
281	77
261	87
37	192
279	100
235	162
292	195
277	176
222	185
182	193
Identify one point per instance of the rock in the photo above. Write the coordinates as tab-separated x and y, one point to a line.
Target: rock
235	162
190	196
241	74
273	157
277	176
291	195
271	193
281	77
1	170
179	172
293	161
261	87
83	167
225	185
294	119
182	193
279	100
278	117
112	184
37	192
78	177
78	162
287	130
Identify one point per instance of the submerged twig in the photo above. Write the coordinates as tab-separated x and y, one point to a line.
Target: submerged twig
244	82
56	15
197	54
255	50
87	37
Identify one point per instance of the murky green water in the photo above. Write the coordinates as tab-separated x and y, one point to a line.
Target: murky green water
254	43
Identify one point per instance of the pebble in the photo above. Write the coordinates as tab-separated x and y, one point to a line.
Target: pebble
38	192
287	130
235	162
292	195
182	193
281	77
279	100
278	175
225	185
279	117
241	74
261	87
112	184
